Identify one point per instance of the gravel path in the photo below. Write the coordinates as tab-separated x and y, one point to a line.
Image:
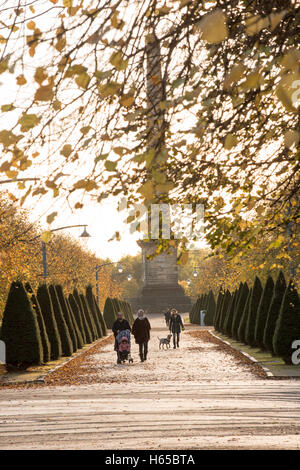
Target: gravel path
198	396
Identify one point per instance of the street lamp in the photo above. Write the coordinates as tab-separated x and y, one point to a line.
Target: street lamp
97	269
195	272
188	282
129	277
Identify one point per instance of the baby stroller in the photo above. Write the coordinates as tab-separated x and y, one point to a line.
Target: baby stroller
123	351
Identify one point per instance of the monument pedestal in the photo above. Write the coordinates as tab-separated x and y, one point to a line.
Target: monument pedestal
160	277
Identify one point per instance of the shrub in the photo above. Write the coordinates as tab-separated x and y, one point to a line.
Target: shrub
88	317
230	312
287	328
109	313
92	306
42	327
46	306
79	337
87	331
252	314
77	316
262	312
20	330
238	311
66	342
244	318
273	313
100	316
225	305
220	300
211	310
67	316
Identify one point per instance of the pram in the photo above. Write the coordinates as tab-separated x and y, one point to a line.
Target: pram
123	350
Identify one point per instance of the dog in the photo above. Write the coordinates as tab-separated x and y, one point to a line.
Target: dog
164	341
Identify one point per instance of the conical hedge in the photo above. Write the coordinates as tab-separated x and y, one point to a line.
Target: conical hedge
89	317
43	332
77	329
66	342
262	312
46	307
78	317
220	301
287	328
211	310
87	331
244	318
100	316
109	313
252	314
239	309
225	305
273	312
67	316
92	306
20	330
229	314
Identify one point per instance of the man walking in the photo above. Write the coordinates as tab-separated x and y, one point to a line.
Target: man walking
175	326
120	324
168	316
141	332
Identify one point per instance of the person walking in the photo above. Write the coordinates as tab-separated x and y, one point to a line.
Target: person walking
141	332
120	324
168	316
175	326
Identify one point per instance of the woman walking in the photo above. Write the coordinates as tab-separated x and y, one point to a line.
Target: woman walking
175	325
141	332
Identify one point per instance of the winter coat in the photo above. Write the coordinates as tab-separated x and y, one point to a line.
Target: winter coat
175	324
120	325
141	330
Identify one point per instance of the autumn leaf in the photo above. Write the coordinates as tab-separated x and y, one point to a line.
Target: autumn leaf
213	27
44	93
291	138
5	108
118	61
230	141
21	80
255	23
51	217
66	150
127	100
28	121
3	66
110	166
83	80
40	75
147	190
46	236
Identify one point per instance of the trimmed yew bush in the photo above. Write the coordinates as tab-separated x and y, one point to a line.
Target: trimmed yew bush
287	328
87	332
229	313
244	318
79	337
101	319
46	307
89	317
262	312
43	332
67	316
252	314
109	313
225	306
66	342
20	330
92	306
211	310
238	311
273	313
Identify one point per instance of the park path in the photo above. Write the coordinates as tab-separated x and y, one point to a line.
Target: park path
196	397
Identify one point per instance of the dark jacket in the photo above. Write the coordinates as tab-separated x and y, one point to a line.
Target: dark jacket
175	324
120	325
141	330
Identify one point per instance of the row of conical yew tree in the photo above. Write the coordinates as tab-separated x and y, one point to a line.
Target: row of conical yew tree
266	316
43	326
112	306
207	303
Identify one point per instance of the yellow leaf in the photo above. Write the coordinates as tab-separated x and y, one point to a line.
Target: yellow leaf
83	80
158	176
118	61
147	190
291	59
21	80
28	121
291	137
31	25
127	100
5	108
44	93
66	150
46	236
67	3
275	18
109	89
85	130
51	217
213	27
234	75
230	142
255	23
253	81
3	66
40	75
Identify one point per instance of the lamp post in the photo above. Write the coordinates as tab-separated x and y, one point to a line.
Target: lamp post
84	234
97	269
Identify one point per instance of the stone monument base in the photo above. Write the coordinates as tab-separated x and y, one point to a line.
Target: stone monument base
156	298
